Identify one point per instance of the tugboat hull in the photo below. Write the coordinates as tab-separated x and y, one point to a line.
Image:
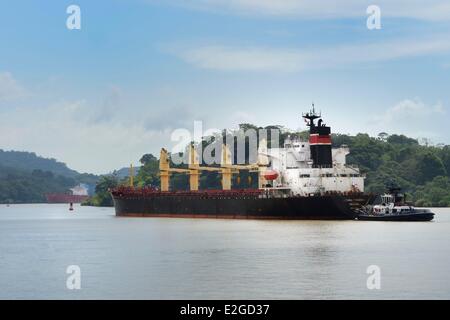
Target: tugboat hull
427	216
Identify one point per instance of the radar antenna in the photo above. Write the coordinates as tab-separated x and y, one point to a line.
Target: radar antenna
311	116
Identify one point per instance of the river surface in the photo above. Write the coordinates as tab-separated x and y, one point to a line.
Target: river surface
167	258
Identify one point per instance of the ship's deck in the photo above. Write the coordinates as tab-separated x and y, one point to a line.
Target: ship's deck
127	192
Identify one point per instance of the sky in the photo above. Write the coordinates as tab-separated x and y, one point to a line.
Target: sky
99	97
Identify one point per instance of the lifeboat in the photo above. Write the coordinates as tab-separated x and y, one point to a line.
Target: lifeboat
270	175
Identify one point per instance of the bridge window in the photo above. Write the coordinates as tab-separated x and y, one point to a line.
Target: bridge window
327	175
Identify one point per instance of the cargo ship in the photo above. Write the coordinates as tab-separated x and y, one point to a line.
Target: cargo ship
300	180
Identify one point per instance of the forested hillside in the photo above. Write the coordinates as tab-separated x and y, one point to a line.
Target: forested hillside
26	177
30	161
20	186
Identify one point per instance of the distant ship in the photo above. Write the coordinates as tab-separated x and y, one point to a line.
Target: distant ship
78	194
302	180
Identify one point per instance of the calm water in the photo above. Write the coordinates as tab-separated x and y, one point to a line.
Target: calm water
138	258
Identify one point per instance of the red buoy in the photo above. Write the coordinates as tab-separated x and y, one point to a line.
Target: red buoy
270	175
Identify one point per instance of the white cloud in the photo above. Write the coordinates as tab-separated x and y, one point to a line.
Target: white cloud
244	59
325	9
95	137
410	109
9	88
241	116
62	131
413	118
90	136
226	58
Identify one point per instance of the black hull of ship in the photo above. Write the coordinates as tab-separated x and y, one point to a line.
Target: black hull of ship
327	207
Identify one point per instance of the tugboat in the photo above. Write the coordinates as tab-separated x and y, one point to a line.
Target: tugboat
393	207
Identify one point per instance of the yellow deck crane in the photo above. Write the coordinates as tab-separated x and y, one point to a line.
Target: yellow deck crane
165	170
131	176
227	169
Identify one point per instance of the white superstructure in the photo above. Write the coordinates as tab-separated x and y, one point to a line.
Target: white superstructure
295	170
326	171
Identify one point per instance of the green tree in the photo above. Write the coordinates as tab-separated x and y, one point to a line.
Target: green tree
149	172
102	197
429	166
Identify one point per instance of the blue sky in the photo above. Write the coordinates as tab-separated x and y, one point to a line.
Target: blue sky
100	97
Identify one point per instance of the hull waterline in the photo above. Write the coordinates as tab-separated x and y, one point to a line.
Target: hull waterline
402	217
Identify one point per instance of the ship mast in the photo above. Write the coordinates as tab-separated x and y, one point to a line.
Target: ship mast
311	116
